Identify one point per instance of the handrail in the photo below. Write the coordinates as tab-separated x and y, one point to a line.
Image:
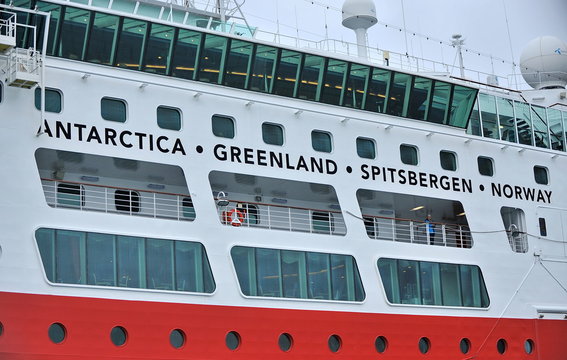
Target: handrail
283	206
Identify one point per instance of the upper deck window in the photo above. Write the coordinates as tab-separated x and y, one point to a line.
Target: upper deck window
101	39
448	160
334	82
273	134
157	52
311	77
168	118
211	61
113	109
485	166
52	100
263	68
321	141
541	175
409	154
287	73
237	66
185	54
223	126
365	148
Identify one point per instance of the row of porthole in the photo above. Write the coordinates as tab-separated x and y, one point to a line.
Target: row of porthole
177	338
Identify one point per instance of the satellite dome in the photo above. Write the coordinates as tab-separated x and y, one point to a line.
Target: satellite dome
543	63
359	14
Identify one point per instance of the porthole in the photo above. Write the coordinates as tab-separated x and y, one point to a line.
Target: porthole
501	346
424	345
232	340
334	343
285	342
57	333
381	344
177	338
118	335
529	346
465	345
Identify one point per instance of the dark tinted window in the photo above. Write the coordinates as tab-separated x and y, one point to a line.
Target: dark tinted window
542	227
168	118
52	100
448	160
485	166
365	148
223	126
541	175
127	200
409	154
113	109
272	134
321	141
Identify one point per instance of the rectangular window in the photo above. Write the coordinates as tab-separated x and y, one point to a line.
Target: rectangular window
212	58
55	18
287	73
440	103
474	127
541	175
102	38
365	148
131	40
507	119
73	33
238	64
378	90
409	154
430	283
420	98
332	90
76	257
485	166
127	201
461	105
169	118
272	134
556	129
539	121
263	67
448	160
311	78
322	222
488	116
542	227
158	49
297	274
53	102
514	221
399	95
223	126
113	109
188	208
354	94
70	195
524	123
185	54
321	141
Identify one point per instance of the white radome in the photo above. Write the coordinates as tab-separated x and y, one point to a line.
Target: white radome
543	63
359	14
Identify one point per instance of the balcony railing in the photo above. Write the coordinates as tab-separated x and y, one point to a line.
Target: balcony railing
110	199
417	232
280	217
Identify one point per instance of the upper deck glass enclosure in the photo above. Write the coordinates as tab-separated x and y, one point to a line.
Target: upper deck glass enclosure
90	34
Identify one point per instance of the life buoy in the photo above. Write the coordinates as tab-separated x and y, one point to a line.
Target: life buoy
234	217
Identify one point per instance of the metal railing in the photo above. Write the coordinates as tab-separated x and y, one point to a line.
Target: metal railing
280	217
8	24
110	199
417	232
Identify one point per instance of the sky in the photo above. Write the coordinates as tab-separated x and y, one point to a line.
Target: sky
481	22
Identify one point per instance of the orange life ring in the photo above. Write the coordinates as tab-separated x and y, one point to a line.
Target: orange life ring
234	217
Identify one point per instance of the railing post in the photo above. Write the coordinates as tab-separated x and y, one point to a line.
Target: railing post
55	194
105	200
375	228
269	218
444	235
461	238
393	230
178	208
155	211
289	217
412	236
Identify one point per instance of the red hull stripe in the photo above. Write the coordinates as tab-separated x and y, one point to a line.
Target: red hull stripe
26	318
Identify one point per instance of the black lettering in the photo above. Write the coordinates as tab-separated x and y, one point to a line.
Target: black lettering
365	174
220	155
60	129
540	196
109	136
141	136
433	181
46	128
529	194
80	128
496	190
174	146
93	134
317	165
402	176
466	185
508	191
375	172
235	154
444	183
331	167
456	184
548	194
158	144
422	179
276	158
518	192
177	146
261	155
412	177
121	137
392	172
287	164
301	164
249	156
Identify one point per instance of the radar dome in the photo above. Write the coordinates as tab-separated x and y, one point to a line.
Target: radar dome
543	63
359	14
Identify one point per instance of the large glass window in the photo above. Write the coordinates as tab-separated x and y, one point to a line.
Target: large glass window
334	82
53	102
76	257
539	121
297	274
272	134
113	109
420	98
321	141
378	90
409	154
399	93
185	53
514	221
440	103
212	58
429	283
102	39
524	123
264	63
365	148
311	77
55	18
474	127
556	129
354	93
158	49
168	118
507	119
488	115
463	100
223	126
287	73
73	33
238	64
131	40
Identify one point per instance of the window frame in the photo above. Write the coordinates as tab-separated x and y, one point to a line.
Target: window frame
274	125
369	140
177	110
455	158
131	205
226	117
492	167
322	132
116	100
414	147
37	102
545	171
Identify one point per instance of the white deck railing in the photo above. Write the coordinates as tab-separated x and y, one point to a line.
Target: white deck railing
288	218
109	199
416	232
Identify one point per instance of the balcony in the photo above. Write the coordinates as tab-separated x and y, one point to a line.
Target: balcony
279	217
415	232
117	200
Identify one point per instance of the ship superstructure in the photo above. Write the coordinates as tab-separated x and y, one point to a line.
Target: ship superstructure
174	188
